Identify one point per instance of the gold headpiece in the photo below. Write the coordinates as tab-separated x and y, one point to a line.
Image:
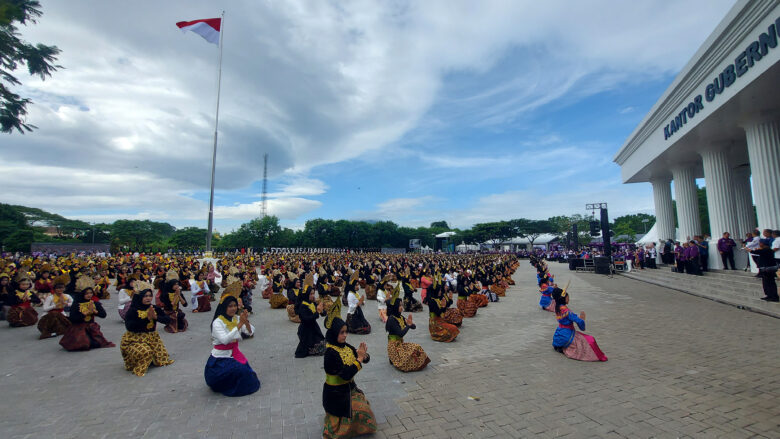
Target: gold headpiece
309	281
141	285
563	294
232	290
171	275
23	275
333	313
84	282
355	276
63	279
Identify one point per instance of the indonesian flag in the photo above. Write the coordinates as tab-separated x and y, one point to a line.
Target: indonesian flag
208	28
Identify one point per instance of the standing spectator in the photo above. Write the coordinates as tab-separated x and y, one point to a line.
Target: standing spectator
668	256
750	245
704	252
748	239
652	254
776	245
726	249
692	252
767	270
766	236
640	256
678	256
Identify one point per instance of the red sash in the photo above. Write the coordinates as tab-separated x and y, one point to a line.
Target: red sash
237	355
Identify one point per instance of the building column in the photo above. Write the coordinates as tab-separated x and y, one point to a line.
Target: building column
743	199
686	195
763	143
720	193
664	215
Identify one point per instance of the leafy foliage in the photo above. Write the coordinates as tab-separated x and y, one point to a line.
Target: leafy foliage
39	59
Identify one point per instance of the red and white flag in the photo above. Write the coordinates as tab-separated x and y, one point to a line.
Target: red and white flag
207	28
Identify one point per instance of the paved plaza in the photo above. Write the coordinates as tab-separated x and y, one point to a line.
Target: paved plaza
679	366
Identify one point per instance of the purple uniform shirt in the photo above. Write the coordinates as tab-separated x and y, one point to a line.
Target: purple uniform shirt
725	245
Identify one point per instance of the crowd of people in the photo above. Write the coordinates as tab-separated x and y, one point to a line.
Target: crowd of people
154	289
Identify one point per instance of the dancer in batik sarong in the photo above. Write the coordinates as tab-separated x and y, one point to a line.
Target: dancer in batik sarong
406	357
568	341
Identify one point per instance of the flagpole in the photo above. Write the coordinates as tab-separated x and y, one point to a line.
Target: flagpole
216	128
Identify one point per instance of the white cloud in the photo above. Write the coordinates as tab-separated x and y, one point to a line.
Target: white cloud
127	125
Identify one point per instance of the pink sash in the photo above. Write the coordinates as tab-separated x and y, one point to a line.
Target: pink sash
237	355
593	345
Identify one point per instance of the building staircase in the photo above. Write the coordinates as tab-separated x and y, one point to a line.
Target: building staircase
733	287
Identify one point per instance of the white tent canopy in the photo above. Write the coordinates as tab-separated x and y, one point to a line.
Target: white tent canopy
446	235
543	239
652	236
463	247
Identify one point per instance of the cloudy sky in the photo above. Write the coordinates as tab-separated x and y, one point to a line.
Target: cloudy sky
412	111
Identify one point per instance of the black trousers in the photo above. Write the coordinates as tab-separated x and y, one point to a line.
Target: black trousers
728	257
769	284
692	267
704	259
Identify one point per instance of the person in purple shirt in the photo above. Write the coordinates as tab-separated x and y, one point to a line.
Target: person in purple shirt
678	256
692	259
726	249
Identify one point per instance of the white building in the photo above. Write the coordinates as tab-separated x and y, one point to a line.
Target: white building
719	120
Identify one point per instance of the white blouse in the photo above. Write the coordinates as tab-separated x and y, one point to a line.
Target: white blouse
352	300
48	303
380	299
124	298
221	335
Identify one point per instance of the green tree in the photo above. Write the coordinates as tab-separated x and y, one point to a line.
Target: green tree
190	238
19	241
533	229
11	220
38	58
137	235
624	228
633	224
440	225
493	233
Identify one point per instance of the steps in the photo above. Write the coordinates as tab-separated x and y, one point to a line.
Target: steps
738	288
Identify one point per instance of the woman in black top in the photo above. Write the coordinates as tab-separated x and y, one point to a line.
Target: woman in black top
347	411
406	357
141	346
84	332
310	339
